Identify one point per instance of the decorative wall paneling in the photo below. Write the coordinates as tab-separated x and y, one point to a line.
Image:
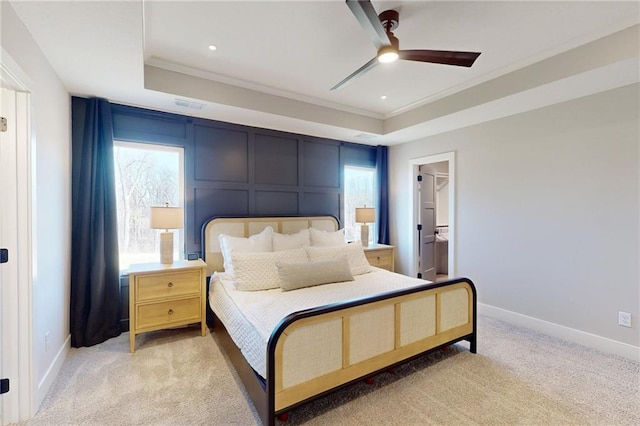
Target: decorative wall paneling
233	170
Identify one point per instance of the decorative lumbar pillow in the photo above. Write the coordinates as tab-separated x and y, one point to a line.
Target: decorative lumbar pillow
291	241
258	243
355	255
327	238
258	271
307	274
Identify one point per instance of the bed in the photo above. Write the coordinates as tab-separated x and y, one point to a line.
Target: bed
289	347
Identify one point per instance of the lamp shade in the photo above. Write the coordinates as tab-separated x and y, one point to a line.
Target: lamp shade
365	214
166	217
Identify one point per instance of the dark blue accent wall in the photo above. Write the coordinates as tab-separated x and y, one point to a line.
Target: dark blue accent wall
232	169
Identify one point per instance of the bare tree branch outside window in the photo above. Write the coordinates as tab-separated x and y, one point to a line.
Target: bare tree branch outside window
146	175
359	191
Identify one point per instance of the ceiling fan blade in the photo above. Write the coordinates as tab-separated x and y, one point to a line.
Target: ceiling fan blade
366	67
369	21
447	57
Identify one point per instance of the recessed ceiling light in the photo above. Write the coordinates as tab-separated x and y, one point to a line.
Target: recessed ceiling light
212	47
383	97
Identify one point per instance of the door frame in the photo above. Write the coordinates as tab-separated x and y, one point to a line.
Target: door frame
20	311
414	210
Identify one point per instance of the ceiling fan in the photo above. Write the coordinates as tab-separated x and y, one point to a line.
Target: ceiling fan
379	29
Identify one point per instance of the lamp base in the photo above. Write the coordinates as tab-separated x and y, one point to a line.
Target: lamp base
166	247
364	235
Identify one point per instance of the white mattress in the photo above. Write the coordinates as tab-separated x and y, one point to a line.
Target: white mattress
251	316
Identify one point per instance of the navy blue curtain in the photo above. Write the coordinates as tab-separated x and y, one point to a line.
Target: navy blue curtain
95	286
382	160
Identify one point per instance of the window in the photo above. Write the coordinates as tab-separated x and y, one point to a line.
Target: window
146	175
359	191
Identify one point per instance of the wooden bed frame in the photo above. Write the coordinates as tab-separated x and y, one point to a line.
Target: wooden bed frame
444	312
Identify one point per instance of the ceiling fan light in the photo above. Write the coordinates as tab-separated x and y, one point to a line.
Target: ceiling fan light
387	54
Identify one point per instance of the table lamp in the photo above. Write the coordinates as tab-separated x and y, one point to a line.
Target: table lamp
166	218
365	215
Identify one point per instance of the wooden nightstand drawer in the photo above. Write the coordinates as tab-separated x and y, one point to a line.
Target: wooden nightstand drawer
150	287
380	256
167	313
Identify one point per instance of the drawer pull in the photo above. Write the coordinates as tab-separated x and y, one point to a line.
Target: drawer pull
170	285
170	312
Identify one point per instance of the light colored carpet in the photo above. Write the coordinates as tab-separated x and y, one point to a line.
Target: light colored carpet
518	377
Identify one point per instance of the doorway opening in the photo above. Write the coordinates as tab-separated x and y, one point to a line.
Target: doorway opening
444	165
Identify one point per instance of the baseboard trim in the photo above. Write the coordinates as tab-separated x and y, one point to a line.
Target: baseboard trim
51	374
570	334
124	325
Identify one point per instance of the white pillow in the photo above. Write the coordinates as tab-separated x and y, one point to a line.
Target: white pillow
327	238
258	271
291	241
307	274
355	255
261	242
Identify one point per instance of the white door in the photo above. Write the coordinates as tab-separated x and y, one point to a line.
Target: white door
427	217
8	270
15	274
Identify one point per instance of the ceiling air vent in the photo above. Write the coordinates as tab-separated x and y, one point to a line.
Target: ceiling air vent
188	104
365	136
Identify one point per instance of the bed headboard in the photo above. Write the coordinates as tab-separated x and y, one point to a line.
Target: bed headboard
247	226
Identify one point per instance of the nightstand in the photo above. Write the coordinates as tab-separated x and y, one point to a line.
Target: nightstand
380	255
164	296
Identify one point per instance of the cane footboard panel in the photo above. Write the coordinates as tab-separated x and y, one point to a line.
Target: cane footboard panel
344	343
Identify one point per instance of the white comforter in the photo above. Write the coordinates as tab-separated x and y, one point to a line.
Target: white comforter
251	316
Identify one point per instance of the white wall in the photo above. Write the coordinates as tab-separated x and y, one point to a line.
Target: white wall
442	194
547	211
51	121
442	205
